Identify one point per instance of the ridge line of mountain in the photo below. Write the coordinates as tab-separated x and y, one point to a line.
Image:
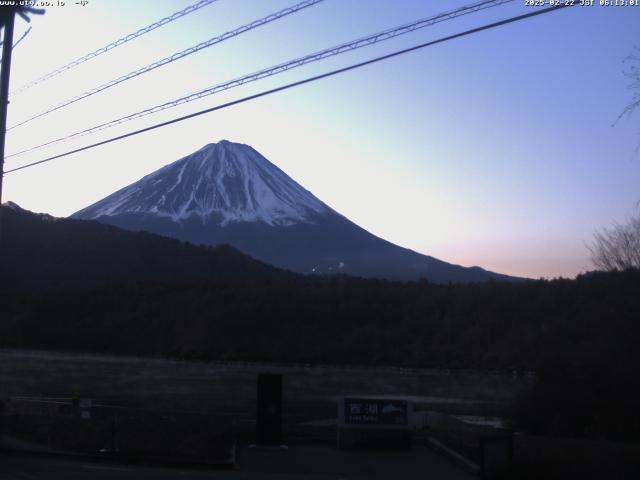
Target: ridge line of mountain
228	193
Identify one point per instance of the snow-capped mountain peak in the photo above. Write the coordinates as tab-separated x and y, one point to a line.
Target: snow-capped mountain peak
227	193
222	182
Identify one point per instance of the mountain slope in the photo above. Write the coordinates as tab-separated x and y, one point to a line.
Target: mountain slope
219	183
40	251
229	193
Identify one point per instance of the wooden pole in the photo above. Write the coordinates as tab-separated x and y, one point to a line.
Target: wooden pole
7	47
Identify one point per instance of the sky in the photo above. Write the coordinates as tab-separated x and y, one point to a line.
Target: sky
499	149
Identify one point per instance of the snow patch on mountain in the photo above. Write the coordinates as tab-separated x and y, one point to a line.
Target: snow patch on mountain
223	182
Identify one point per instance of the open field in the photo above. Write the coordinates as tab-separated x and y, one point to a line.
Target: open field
154	409
231	387
143	407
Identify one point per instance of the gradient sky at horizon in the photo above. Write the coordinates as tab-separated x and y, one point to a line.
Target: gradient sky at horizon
497	149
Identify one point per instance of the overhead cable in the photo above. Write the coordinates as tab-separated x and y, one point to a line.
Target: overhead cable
295	84
127	38
176	56
283	67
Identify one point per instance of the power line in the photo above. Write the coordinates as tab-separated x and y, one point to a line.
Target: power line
176	56
22	37
16	42
127	38
298	83
283	67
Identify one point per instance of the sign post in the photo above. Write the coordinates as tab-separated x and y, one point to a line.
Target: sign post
374	422
269	410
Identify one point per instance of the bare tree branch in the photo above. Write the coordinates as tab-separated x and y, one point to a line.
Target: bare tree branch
618	247
632	72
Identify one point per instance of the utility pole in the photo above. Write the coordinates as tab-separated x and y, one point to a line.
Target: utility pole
7	47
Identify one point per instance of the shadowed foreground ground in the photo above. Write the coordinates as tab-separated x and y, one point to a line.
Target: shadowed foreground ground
317	463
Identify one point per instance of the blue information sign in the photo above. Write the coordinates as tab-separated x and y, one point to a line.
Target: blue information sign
376	412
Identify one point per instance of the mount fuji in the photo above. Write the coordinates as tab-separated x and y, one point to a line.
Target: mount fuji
228	193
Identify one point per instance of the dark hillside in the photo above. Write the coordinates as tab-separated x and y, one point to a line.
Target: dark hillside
341	320
581	335
40	251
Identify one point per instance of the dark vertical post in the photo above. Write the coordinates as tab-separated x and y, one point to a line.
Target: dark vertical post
496	457
269	409
7	47
114	434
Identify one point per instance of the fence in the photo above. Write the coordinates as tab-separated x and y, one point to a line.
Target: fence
113	429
